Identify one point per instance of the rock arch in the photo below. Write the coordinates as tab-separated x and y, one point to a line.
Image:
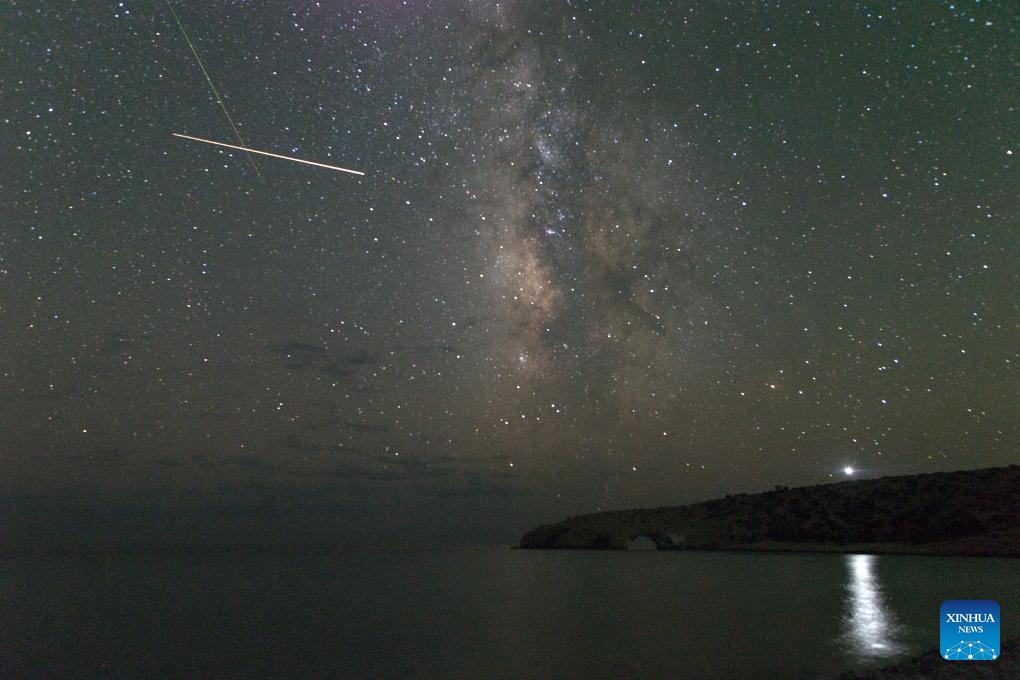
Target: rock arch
642	542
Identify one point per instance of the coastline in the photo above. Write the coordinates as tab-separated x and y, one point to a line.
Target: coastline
966	513
926	550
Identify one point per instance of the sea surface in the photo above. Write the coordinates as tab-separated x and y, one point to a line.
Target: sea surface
486	612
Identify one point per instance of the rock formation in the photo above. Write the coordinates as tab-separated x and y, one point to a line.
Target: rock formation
973	512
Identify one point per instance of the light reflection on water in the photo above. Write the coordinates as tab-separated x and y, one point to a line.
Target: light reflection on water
870	628
477	613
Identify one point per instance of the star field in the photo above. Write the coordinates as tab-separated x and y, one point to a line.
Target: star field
603	256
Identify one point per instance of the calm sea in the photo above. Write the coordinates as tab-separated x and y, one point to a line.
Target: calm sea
479	613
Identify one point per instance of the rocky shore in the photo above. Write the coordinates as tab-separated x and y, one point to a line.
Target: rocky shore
973	512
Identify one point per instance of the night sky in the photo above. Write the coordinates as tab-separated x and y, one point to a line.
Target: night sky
604	255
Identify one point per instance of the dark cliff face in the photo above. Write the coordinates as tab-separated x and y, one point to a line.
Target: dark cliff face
971	512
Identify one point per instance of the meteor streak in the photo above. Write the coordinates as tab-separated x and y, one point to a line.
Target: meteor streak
267	153
219	99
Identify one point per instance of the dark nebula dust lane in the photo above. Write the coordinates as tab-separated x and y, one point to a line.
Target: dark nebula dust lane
602	256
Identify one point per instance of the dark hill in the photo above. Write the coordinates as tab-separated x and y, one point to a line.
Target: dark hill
973	512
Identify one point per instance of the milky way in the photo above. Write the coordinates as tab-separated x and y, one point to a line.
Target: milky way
604	255
584	246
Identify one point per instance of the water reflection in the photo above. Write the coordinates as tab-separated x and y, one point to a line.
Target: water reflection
870	629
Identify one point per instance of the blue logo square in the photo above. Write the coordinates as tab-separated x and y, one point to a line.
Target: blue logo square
969	630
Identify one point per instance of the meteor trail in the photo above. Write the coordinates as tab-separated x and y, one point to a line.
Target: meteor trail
219	100
267	153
